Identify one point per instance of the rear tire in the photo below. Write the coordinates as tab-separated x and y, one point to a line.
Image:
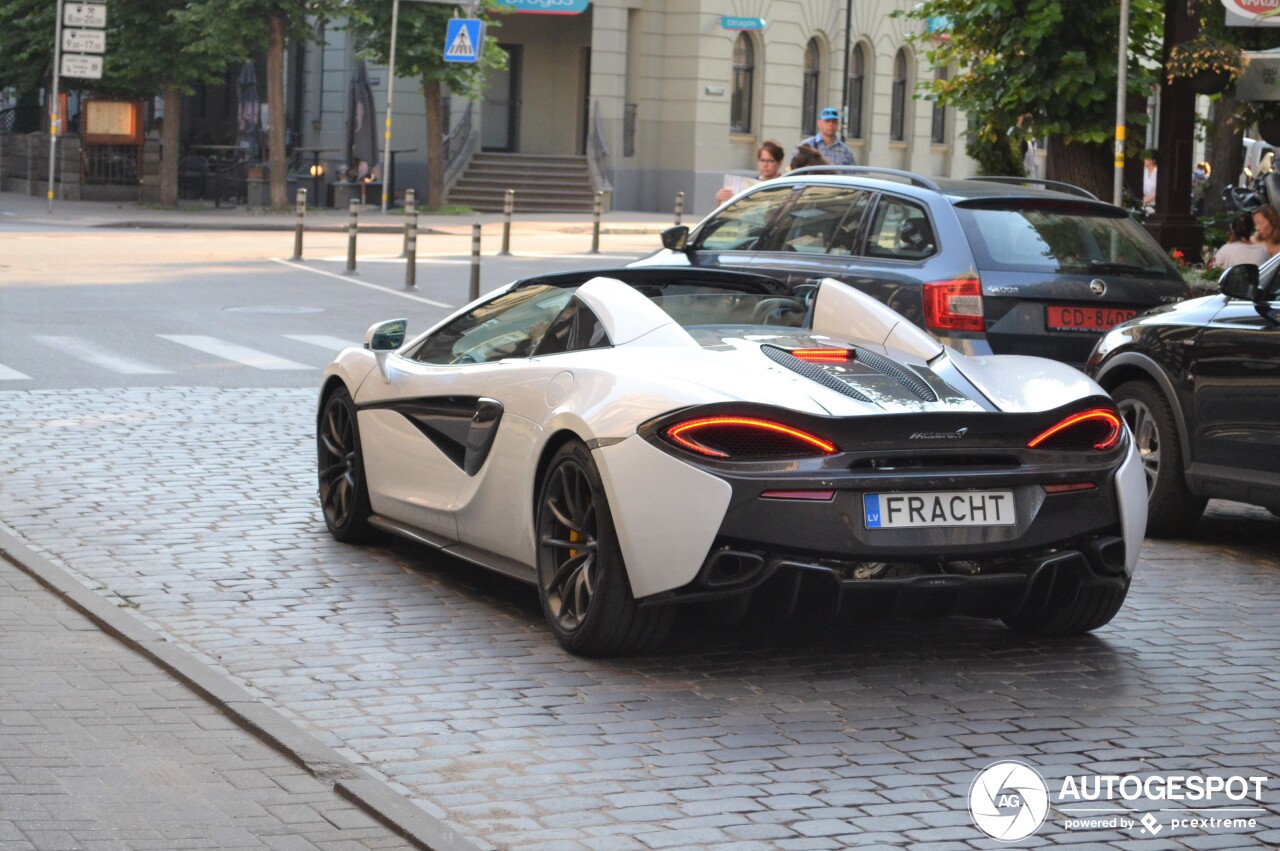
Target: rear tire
582	581
1171	506
344	492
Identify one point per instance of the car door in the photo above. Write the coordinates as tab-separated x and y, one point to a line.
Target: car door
815	236
417	425
1235	417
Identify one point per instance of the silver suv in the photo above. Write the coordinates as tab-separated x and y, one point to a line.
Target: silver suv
987	265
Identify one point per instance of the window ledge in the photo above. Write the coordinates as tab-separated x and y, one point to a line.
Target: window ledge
939	147
896	145
741	137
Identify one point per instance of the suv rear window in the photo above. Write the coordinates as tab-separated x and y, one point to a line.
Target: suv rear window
1065	240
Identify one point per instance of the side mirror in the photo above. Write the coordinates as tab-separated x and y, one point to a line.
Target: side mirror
675	238
1240	282
386	336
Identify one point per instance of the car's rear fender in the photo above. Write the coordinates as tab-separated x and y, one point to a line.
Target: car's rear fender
1131	495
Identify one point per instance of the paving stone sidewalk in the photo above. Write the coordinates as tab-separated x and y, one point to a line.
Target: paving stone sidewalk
101	749
196	508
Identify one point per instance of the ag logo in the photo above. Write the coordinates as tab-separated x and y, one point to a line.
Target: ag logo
1008	800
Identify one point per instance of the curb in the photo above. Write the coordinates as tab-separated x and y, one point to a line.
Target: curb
350	781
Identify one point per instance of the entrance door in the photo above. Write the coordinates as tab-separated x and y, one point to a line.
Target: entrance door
500	114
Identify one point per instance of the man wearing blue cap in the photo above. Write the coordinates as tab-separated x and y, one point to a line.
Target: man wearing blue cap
827	140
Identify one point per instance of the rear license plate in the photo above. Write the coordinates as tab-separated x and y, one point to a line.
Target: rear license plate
1061	318
938	508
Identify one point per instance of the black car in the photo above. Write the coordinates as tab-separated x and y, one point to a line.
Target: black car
1199	385
988	266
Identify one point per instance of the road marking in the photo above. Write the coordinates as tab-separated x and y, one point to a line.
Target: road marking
350	280
423	259
324	341
7	374
232	352
89	353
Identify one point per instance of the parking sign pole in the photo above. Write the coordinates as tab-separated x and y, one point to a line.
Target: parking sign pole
53	104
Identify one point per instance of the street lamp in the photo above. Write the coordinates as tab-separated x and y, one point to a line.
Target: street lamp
391	84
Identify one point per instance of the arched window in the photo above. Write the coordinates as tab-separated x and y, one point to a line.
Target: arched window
809	111
857	80
744	68
938	128
898	110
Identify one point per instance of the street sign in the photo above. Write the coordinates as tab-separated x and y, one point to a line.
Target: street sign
82	66
462	40
84	41
85	15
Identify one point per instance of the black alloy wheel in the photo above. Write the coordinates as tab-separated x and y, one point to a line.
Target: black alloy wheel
344	494
1171	506
582	581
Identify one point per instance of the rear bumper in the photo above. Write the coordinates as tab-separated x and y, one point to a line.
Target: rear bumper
824	590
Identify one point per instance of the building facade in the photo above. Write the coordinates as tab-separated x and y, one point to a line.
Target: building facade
677	93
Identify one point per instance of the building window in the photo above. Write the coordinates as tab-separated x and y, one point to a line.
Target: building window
857	79
938	129
744	68
809	112
898	111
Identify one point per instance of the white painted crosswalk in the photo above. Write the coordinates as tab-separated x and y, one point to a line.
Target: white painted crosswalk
145	357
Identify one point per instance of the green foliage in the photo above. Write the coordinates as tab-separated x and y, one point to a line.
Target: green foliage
420	33
26	43
1054	59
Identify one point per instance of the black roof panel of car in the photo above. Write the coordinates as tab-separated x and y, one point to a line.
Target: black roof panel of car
638	276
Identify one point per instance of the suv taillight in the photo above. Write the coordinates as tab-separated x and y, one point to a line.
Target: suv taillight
954	305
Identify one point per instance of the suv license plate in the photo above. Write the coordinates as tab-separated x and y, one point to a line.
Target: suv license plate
1061	318
938	508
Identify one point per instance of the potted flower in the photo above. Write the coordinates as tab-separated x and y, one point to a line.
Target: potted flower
1211	64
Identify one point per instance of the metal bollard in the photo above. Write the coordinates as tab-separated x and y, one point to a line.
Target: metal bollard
411	243
408	208
508	207
679	207
302	215
354	208
474	292
595	229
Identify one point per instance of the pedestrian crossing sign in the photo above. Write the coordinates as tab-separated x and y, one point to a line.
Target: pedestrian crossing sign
462	40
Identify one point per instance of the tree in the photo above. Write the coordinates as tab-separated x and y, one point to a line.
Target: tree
152	45
1054	59
262	23
420	36
151	49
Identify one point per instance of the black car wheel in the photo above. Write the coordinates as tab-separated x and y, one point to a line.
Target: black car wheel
344	494
582	581
1171	507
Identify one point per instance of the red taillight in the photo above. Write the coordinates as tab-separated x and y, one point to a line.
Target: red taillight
744	438
1097	429
829	355
954	305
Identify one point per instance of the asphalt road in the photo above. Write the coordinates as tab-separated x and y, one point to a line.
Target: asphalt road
106	308
189	499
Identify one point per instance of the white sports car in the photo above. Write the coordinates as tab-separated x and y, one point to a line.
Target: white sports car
630	440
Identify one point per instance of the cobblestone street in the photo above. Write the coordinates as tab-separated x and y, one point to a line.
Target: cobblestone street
195	509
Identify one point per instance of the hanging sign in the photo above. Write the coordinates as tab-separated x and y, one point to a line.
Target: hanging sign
85	15
82	65
547	7
84	41
1252	13
462	39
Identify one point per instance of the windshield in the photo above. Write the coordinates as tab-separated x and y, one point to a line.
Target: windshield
692	305
1062	241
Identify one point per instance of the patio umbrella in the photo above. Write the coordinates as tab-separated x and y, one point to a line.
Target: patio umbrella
249	113
362	134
